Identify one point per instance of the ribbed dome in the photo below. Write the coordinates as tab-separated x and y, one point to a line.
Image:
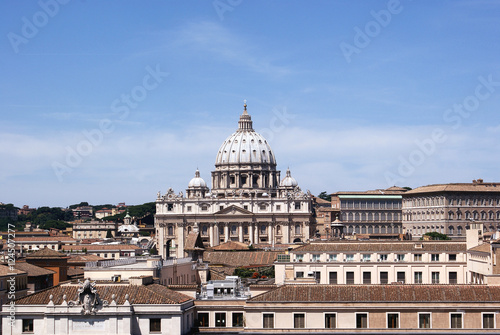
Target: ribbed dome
245	146
288	181
197	181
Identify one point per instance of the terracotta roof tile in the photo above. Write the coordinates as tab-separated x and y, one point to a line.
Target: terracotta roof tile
33	270
231	245
385	246
241	258
45	239
143	294
485	247
381	293
457	187
83	258
96	247
6	270
46	253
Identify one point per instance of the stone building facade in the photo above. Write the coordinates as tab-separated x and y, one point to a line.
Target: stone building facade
375	213
449	208
247	203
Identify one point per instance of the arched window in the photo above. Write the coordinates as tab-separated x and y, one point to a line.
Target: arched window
450	230
170	231
278	230
363	216
233	229
262	229
221	231
351	217
370	217
204	230
467	215
363	230
451	216
382	217
459	230
356	217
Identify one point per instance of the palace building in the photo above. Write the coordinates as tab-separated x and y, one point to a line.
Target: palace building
247	203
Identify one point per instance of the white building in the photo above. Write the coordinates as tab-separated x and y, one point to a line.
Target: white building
247	202
120	309
370	262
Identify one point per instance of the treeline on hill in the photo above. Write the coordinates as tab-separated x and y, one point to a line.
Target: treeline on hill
56	217
43	217
145	212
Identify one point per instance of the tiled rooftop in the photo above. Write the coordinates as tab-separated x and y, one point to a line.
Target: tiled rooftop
145	294
33	270
381	293
386	246
457	187
241	258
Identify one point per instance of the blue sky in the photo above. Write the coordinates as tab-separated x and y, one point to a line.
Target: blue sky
113	101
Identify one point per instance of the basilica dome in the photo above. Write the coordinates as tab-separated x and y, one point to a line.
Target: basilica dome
245	146
288	181
197	181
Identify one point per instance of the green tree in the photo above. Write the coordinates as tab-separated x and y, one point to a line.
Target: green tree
153	250
325	196
437	236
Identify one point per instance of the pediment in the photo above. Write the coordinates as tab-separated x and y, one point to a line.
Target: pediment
234	210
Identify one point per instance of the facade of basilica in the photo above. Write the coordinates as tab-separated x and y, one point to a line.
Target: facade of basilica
247	203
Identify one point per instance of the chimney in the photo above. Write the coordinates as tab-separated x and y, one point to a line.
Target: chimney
479	181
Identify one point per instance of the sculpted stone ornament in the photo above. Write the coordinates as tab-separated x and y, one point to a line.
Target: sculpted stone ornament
88	298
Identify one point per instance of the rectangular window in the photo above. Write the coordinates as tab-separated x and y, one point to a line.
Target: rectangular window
268	320
189	208
367	257
418	278
170	207
299	274
221	208
27	325
299	258
367	277
424	320
452	257
400	257
299	320
333	257
203	319
245	207
316	257
330	320
456	320
401	277
417	257
392	320
384	277
349	277
317	276
435	277
155	325
349	258
278	207
262	207
382	257
297	205
452	277
237	319
361	320
220	319
488	320
332	277
434	257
